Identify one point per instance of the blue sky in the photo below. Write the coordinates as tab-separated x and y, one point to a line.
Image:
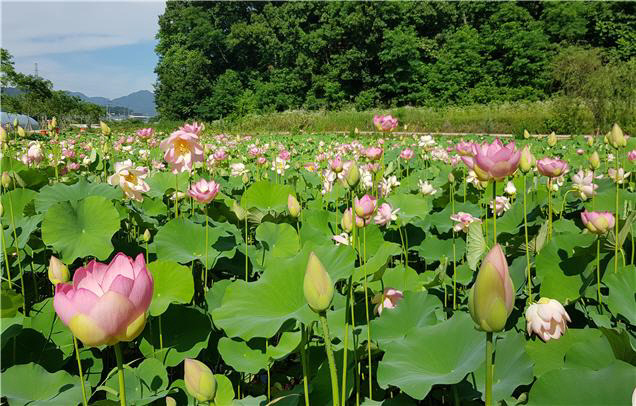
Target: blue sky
97	48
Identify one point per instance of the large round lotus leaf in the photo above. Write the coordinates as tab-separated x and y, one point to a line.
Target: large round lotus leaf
185	331
415	310
513	367
44	320
239	355
377	260
161	182
144	384
32	384
81	229
315	226
173	284
593	354
550	355
610	386
622	296
266	196
224	391
16	200
410	206
440	354
278	240
258	309
183	241
60	192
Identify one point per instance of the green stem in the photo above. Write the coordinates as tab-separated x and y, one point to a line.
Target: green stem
6	258
346	343
525	229
205	271
549	209
303	361
485	193
120	373
598	272
616	222
563	203
160	334
17	253
269	379
176	196
366	308
246	244
452	198
330	359
494	210
489	368
81	374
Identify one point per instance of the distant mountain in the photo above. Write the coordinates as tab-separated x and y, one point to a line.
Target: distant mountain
142	101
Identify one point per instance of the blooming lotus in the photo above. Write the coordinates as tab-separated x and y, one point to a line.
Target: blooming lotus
631	155
547	319
336	164
510	189
467	149
365	207
373	153
583	183
552	167
619	176
388	299
106	303
237	169
502	205
496	161
194	128
342	239
204	191
598	222
385	123
426	188
407	154
181	150
385	214
130	179
464	220
34	153
220	155
145	133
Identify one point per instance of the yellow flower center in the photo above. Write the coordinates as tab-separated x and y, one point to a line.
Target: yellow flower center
181	147
130	178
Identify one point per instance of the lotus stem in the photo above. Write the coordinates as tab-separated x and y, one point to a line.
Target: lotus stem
160	334
598	273
616	242
549	208
303	361
269	381
494	211
346	343
489	368
81	374
525	229
17	253
120	373
452	198
176	196
330	359
205	271
6	257
366	308
563	203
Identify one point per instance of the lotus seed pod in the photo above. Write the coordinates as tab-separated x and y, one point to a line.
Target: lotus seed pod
616	138
293	206
527	160
199	380
146	235
6	179
317	285
58	272
526	134
595	161
491	298
353	175
552	139
105	128
21	132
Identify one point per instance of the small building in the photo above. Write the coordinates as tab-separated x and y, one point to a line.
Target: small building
26	122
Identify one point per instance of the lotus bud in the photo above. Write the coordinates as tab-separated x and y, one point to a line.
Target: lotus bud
527	160
170	401
293	206
347	221
6	179
3	135
317	285
1	209
54	122
15	122
491	298
21	132
58	272
199	380
146	235
451	177
616	138
606	138
595	161
353	175
526	134
590	141
105	128
598	222
552	139
245	178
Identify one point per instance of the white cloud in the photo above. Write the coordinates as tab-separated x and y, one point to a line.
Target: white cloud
39	28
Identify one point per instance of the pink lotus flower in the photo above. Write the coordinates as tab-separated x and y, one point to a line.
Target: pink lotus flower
204	191
584	183
261	160
220	155
130	179
254	152
502	205
547	319
496	161
373	153
631	155
385	123
34	153
336	164
552	167
145	133
106	303
468	149
464	220
407	153
194	128
598	222
389	299
365	207
385	215
181	150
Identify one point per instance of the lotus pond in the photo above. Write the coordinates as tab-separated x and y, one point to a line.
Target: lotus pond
183	268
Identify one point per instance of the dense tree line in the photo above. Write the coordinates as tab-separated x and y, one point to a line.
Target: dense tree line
36	98
218	59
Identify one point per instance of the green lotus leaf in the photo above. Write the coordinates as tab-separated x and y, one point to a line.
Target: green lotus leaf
173	283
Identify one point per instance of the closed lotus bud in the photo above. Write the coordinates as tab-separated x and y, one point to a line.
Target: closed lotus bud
491	298
317	285
552	139
105	128
6	179
527	160
598	222
245	178
199	380
1	209
347	220
54	122
146	235
3	135
58	272
352	175
15	122
590	141
595	161
293	206
616	138
170	401
21	132
526	134
451	177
